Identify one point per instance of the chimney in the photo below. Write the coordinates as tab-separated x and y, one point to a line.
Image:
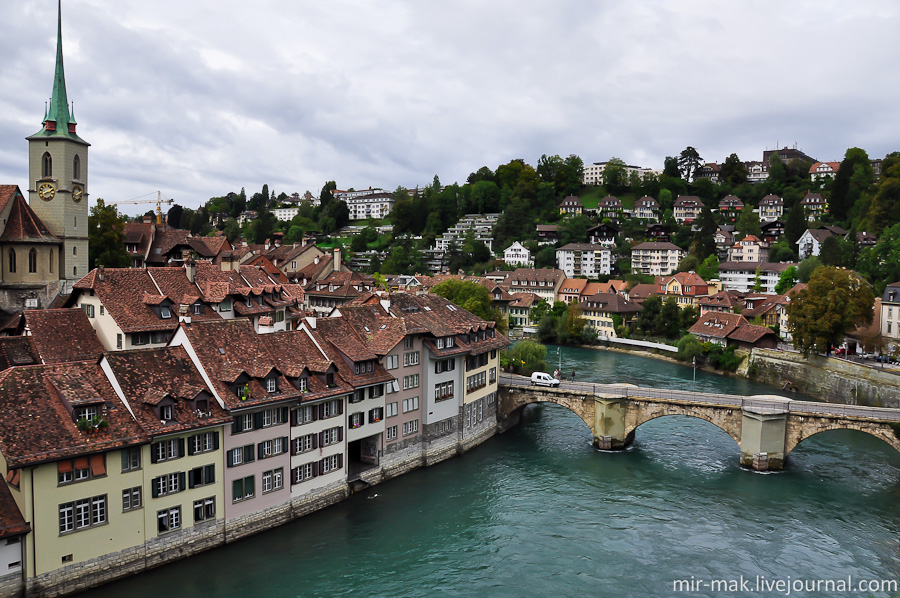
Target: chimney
101	275
184	313
148	220
337	259
190	269
302	241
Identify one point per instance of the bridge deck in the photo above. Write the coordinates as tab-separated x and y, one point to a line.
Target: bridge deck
755	404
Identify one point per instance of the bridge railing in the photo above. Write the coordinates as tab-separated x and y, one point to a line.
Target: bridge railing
758	405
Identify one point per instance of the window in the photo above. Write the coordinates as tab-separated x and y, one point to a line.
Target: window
376	391
204	509
411	358
493	375
102	310
243	488
201	476
82	514
476	381
270	448
279	316
444	365
331	436
32	261
88	309
273	480
80	469
170	483
331	408
140	338
392	362
167	450
410	427
390	433
356	419
168	519
358	396
302	384
304	444
408	342
443	391
131	459
203	443
305	415
118	340
89	412
245	422
166	412
241	454
131	499
46	165
411	381
376	415
165	312
332	463
391	410
410	404
76	168
225	305
304	472
270	385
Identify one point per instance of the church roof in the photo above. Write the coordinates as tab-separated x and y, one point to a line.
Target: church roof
22	224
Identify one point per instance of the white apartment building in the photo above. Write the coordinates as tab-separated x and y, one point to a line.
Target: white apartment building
741	276
655	258
369	205
593	173
481	224
584	259
285	214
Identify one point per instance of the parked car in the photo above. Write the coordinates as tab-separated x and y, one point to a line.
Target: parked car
543	379
840	351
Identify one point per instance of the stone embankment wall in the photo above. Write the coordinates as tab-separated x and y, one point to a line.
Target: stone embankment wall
829	379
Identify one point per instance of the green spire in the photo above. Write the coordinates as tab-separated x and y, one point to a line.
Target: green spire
58	112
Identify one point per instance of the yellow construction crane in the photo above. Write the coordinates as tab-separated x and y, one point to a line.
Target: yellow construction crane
158	201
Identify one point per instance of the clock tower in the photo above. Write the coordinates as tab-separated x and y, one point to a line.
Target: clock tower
58	177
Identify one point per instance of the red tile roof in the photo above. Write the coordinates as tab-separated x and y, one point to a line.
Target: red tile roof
23	225
122	292
61	335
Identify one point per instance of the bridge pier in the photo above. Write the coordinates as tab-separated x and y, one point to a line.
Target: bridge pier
763	440
609	424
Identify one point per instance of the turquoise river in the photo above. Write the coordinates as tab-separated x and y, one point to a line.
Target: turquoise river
538	512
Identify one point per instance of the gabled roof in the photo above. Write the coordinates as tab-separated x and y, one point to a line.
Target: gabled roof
23	225
610	302
36	426
715	324
688	201
11	521
17	350
658	246
61	335
165	242
122	292
573	285
570	202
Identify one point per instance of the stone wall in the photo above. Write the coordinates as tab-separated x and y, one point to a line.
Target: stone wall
829	379
12	585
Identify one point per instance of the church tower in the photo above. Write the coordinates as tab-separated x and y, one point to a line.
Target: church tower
58	177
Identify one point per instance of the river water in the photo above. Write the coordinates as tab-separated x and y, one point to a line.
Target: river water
538	512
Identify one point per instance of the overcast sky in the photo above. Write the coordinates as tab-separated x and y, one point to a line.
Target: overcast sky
196	98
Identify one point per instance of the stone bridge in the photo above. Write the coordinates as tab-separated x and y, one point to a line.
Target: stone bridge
765	427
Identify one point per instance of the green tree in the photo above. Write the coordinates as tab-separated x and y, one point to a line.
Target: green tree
806	268
733	171
787	280
835	302
748	222
854	177
472	297
689	347
615	177
649	312
796	224
106	237
670	167
574	229
689	162
668	321
527	356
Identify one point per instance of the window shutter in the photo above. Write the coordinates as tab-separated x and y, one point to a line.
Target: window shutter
190	446
192	481
315	441
215	441
259	450
181	480
181	447
236	426
321	436
257	420
284	414
320	411
340	407
154	451
126	462
229	459
209	473
315	468
284	442
295	417
237	489
340	434
294	450
294	474
248	453
340	461
154	487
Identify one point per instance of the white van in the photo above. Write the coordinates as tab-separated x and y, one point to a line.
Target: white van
543	379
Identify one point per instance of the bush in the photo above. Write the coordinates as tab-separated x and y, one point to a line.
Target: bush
689	347
526	357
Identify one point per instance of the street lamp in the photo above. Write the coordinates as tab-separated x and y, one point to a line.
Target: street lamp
694	385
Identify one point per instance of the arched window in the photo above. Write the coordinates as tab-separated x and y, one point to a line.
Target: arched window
76	168
74	249
75	271
32	261
12	260
47	162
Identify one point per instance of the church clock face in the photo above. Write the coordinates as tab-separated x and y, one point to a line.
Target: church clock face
46	191
77	193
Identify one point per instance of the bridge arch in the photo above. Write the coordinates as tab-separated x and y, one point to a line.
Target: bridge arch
801	428
512	403
630	430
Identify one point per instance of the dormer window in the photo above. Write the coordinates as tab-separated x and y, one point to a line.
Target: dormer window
196	308
302	384
165	312
271	385
87	412
166	413
225	305
329	379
